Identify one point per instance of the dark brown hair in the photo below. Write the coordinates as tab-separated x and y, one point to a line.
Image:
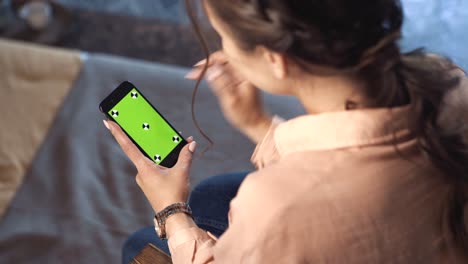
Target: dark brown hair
359	38
196	27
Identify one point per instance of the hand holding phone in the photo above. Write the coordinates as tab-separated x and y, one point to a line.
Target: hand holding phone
162	186
143	124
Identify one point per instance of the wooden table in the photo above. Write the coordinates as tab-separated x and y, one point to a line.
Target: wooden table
151	255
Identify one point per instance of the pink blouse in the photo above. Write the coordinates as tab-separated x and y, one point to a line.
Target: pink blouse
331	188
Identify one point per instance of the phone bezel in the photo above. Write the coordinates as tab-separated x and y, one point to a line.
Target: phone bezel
116	96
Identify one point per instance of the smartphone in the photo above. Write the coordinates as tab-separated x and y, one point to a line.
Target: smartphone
143	124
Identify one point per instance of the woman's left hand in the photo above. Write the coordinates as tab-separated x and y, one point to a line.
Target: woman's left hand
161	186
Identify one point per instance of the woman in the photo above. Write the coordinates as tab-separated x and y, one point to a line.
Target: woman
375	173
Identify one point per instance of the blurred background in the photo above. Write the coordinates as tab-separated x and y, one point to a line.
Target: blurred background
157	30
67	191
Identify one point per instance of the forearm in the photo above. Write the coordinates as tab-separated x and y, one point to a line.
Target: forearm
258	131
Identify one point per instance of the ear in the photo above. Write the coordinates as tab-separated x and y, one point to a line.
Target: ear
277	63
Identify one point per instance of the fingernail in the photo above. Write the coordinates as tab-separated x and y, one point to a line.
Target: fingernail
106	124
200	63
192	75
190	138
212	236
192	146
213	73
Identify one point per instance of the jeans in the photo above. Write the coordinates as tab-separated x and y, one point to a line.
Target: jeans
209	201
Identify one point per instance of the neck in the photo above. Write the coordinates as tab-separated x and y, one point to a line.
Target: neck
330	94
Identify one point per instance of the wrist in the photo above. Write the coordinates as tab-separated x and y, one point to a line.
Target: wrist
158	207
177	222
161	219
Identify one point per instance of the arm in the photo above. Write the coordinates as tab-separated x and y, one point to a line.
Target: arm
266	151
258	131
189	244
239	99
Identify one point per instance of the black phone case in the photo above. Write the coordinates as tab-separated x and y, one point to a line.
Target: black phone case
118	94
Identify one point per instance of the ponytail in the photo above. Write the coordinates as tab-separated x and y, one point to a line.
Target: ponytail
428	79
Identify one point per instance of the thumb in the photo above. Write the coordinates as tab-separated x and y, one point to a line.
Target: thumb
185	156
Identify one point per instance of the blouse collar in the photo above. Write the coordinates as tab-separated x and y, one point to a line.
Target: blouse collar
345	129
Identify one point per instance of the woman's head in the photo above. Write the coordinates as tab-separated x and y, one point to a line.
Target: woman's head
330	33
352	38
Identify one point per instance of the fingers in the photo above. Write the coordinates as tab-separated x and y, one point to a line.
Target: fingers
133	153
192	147
219	57
185	156
189	139
194	74
221	78
216	58
212	72
222	81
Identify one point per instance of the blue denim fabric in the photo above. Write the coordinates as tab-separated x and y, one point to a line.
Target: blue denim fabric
210	205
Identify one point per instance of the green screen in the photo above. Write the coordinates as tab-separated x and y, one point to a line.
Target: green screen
147	128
